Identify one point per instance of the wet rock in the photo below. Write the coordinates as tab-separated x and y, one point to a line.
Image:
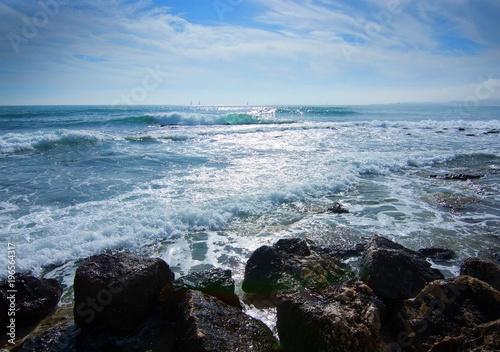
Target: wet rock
206	324
337	208
118	291
482	270
57	339
494	131
436	253
460	314
154	336
344	318
454	202
343	251
291	264
215	282
33	300
395	272
459	177
293	247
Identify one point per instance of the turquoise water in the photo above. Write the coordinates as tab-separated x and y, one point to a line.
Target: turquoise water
205	186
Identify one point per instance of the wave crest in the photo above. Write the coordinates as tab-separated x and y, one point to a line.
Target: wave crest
44	140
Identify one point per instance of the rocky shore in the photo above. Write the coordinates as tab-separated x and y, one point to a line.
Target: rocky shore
393	301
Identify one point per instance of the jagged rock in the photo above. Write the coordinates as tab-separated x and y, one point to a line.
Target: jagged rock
494	131
71	338
482	270
459	314
484	338
214	282
57	339
207	324
436	253
337	319
395	272
459	177
118	291
337	208
342	251
291	264
33	300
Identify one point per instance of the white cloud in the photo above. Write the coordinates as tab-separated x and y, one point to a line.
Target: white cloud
297	50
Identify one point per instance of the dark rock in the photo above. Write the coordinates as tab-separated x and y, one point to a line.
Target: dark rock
118	291
459	177
337	208
342	251
482	270
460	314
470	135
292	247
454	202
484	338
34	299
214	282
154	336
337	319
57	339
291	264
262	270
461	129
206	324
494	131
436	253
395	272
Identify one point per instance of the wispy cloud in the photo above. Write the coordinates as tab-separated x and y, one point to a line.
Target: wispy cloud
273	51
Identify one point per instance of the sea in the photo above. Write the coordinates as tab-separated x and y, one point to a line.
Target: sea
204	186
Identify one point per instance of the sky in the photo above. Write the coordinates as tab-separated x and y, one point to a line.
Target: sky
260	52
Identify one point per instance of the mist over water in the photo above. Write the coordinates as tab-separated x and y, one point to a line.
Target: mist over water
205	186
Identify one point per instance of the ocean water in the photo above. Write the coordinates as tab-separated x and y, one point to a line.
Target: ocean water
205	186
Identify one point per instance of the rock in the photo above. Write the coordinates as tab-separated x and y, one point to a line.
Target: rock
118	291
206	324
35	298
452	315
484	338
337	208
494	131
57	339
292	247
454	202
291	264
343	251
71	338
460	177
436	253
337	319
482	270
214	282
395	272
262	270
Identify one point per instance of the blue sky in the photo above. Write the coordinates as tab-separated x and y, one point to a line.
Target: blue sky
258	51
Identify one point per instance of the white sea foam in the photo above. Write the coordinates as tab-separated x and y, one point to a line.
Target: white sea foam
19	142
201	193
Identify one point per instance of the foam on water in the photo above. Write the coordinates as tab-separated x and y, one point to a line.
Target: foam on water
43	140
204	187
